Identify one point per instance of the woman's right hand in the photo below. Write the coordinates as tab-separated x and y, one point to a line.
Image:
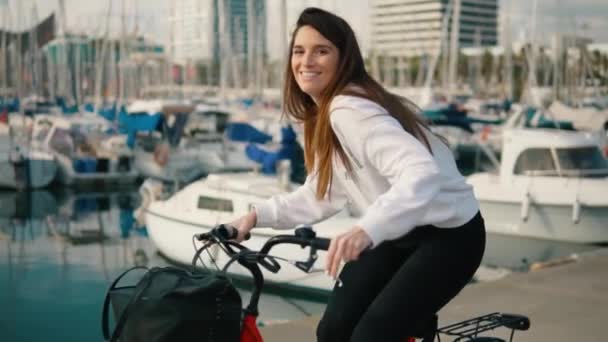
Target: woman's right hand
244	224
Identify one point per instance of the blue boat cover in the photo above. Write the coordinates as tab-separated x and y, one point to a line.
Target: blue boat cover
290	149
244	132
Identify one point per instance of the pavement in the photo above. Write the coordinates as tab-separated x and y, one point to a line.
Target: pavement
566	300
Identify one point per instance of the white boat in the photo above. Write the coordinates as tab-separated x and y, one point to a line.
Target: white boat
221	198
85	152
23	166
551	184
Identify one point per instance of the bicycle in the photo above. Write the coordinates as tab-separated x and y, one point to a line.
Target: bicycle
465	331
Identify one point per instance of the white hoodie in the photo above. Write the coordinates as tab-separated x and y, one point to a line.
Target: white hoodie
396	183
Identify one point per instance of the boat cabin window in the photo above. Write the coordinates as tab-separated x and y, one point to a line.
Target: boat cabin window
534	159
582	160
218	204
62	142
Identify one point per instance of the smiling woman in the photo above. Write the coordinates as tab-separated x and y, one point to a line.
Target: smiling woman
314	61
419	222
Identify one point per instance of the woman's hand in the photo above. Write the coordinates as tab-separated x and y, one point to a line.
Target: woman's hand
244	224
347	246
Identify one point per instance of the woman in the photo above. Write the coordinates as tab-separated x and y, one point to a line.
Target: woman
419	221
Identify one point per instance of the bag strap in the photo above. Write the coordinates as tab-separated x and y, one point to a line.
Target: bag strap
106	303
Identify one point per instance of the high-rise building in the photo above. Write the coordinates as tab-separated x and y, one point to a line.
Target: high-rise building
414	27
195	33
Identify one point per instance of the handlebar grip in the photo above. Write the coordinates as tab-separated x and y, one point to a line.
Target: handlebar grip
228	232
223	231
320	243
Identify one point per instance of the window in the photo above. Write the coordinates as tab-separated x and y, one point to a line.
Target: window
218	204
582	159
62	142
535	159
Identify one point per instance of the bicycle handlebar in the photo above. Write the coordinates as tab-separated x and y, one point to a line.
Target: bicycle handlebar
303	236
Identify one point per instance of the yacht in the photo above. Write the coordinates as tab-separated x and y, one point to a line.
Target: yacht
550	184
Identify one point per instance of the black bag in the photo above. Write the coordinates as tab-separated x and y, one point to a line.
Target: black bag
172	304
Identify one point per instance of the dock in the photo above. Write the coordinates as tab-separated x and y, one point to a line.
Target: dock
565	300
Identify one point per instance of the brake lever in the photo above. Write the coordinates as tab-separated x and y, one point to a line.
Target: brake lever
307	233
307	265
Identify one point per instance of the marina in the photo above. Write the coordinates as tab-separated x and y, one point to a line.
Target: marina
129	127
59	258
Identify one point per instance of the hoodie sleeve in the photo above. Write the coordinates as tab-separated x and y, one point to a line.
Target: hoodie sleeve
406	163
300	206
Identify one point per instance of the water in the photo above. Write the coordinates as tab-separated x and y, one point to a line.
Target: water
59	250
58	257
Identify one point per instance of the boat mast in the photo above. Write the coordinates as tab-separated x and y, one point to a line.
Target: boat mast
66	83
508	70
171	44
532	58
224	42
454	44
251	46
282	42
19	55
428	82
237	52
100	61
3	32
259	65
121	61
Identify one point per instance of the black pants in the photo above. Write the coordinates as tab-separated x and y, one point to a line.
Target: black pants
398	286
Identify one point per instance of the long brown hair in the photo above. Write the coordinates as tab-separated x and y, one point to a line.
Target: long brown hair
320	142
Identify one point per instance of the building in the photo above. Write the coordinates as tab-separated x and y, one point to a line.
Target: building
195	28
404	28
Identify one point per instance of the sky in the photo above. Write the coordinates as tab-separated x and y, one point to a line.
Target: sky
584	17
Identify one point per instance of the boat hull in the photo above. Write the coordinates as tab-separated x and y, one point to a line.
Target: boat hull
66	175
552	222
39	172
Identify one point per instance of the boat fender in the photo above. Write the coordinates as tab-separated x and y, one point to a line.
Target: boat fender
485	132
552	263
161	154
576	211
150	191
525	207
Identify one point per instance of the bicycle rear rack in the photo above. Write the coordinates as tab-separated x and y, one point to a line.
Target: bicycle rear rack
471	328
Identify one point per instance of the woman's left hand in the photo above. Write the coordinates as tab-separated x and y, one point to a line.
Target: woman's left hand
347	246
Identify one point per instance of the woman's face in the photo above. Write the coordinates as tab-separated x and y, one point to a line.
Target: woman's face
314	61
